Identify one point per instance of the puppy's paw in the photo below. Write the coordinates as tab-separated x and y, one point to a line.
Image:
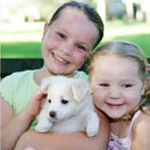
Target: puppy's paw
93	123
92	131
29	148
41	128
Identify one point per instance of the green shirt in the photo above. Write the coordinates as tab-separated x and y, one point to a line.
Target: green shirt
18	88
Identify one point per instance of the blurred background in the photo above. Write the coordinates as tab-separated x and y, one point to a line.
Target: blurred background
22	23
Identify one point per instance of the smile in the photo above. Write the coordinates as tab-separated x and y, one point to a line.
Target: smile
114	105
60	59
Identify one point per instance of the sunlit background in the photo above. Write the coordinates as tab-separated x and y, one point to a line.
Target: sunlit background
22	23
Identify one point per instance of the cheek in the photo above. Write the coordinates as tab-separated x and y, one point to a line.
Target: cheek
49	42
46	38
45	47
133	98
79	57
98	100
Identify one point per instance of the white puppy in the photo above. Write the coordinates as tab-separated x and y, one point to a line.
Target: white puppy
68	107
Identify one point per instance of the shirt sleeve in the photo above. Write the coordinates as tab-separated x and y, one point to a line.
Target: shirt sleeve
7	87
81	75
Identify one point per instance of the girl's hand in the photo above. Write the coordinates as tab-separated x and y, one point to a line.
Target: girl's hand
34	105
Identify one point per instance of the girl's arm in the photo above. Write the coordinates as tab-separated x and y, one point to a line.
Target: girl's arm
141	133
13	126
72	141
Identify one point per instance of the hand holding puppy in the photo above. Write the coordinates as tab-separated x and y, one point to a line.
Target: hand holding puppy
34	105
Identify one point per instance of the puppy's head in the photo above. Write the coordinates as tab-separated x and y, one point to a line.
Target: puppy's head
63	96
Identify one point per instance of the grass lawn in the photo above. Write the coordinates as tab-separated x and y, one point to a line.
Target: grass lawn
138	33
21	40
24	40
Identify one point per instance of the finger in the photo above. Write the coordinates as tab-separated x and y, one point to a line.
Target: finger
38	95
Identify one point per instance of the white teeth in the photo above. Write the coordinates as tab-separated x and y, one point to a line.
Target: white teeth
116	104
60	59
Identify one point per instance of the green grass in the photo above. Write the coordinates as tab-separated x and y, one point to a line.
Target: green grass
24	40
138	33
21	40
21	50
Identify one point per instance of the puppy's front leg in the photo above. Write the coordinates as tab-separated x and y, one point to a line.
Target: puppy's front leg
92	124
30	148
43	123
43	126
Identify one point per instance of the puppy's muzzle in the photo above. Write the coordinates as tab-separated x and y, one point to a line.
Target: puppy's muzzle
52	114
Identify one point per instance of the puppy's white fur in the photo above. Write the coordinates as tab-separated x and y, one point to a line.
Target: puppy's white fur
68	107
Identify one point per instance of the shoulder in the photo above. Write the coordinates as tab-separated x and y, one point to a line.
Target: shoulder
17	76
10	83
15	86
81	75
141	128
142	122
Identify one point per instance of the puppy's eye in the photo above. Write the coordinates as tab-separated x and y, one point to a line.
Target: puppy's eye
63	101
49	100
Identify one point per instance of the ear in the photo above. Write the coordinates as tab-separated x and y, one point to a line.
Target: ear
79	90
45	84
45	30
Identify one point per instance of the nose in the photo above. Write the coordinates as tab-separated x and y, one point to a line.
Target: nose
67	47
52	114
115	92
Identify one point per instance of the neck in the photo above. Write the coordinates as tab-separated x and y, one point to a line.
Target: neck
40	74
44	72
120	127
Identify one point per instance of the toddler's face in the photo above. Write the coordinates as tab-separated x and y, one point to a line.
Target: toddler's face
117	87
67	41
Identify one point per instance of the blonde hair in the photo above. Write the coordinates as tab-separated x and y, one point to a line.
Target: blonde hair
131	51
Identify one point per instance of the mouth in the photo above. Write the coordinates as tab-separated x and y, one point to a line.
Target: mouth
113	105
54	119
59	59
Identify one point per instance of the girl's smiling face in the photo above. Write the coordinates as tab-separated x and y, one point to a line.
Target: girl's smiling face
67	42
117	87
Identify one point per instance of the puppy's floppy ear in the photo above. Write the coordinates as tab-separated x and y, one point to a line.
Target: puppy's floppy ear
45	84
79	90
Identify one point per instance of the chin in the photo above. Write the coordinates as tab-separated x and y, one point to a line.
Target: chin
58	72
115	116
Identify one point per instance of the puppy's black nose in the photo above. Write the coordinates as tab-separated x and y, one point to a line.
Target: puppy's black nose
52	114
